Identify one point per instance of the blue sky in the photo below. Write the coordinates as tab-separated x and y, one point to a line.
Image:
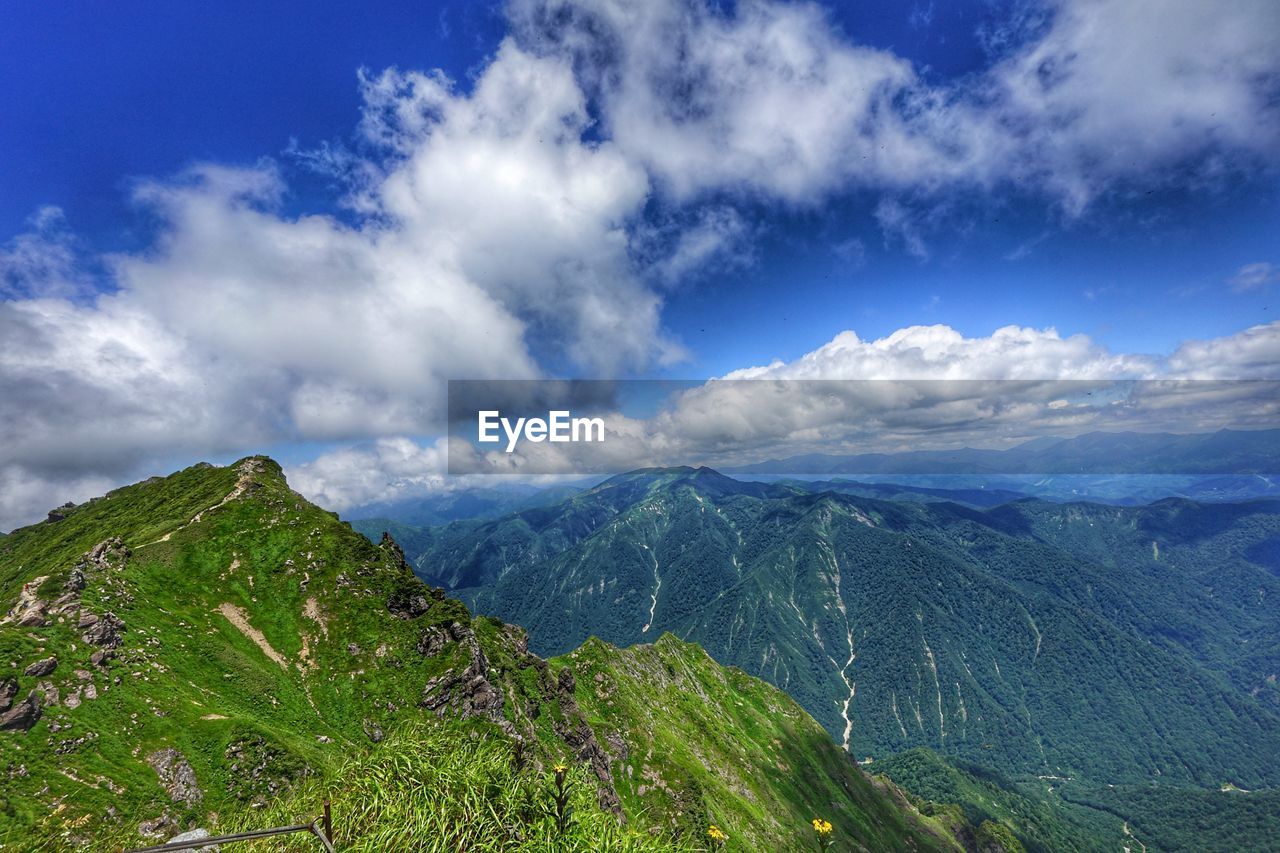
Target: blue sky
1083	168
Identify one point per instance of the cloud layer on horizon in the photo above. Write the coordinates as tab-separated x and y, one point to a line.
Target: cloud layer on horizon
922	387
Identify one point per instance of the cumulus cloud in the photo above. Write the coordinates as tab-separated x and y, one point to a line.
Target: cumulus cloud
1253	353
941	352
772	98
489	236
385	469
1155	90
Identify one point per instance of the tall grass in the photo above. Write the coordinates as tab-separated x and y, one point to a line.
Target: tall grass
436	788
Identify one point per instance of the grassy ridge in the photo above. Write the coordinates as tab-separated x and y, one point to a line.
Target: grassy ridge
266	656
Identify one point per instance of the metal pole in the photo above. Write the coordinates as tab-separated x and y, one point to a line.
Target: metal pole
321	827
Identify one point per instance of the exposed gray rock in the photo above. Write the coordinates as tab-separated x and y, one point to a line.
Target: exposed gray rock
195	835
580	737
468	693
30	611
407	605
373	730
48	691
75	583
59	513
102	631
176	776
432	641
157	827
41	667
24	715
8	689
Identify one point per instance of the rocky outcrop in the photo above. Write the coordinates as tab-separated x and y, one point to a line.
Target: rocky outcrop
176	776
24	715
581	738
108	555
408	604
30	611
157	827
411	597
103	631
433	641
41	667
397	553
469	692
8	689
59	513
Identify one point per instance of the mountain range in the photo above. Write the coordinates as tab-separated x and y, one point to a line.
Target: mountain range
1124	646
211	652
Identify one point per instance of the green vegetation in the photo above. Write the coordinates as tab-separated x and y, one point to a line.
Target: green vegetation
447	788
1118	645
735	753
994	636
1165	818
211	650
1031	810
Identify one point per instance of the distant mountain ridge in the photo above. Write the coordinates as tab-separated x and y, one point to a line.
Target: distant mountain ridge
1119	644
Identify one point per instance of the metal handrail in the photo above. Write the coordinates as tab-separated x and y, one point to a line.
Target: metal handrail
321	827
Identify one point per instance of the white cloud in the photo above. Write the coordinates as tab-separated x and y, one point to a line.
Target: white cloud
941	352
44	259
382	470
772	98
769	97
1116	89
1251	354
1259	276
931	387
492	236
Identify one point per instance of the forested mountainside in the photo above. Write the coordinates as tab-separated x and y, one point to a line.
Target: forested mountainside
211	650
1123	645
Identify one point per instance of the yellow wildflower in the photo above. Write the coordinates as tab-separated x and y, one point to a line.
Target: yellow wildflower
717	834
561	768
822	827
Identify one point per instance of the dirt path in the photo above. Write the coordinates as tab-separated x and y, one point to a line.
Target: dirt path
237	617
247	469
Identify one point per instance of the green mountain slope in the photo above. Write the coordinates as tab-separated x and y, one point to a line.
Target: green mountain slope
742	753
1001	636
210	649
